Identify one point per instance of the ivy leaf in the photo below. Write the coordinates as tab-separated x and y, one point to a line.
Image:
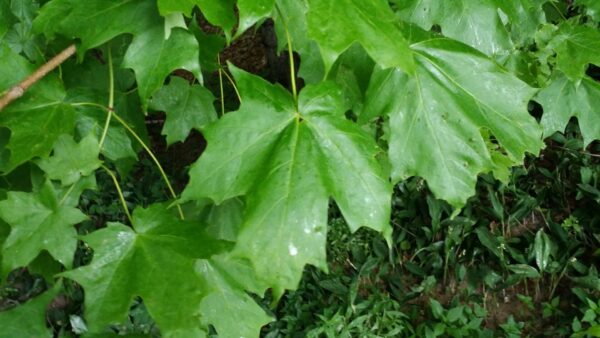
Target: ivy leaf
28	319
576	47
476	23
154	260
187	107
71	161
288	162
39	221
563	99
337	24
38	118
440	117
153	58
96	21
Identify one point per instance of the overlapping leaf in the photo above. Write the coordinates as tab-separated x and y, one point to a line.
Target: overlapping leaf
153	57
288	162
156	260
96	21
187	107
442	118
38	118
39	221
29	319
563	99
336	24
72	160
576	47
592	8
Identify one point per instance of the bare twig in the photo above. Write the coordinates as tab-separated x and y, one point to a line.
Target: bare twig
20	89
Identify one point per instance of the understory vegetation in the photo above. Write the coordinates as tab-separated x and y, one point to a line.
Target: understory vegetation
299	168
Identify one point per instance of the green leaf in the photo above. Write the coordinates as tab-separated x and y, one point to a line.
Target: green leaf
489	241
154	260
71	161
28	319
251	11
6	19
187	107
576	47
153	58
476	23
443	116
336	24
563	99
525	270
542	248
38	118
592	8
39	221
244	316
288	162
96	21
212	45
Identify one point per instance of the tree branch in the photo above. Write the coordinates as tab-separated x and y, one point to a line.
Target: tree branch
20	89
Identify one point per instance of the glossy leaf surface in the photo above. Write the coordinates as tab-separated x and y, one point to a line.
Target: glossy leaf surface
288	162
438	117
336	24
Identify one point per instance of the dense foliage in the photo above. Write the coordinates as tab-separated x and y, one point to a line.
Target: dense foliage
411	118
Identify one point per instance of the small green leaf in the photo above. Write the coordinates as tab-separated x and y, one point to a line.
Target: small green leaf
489	241
592	8
542	248
525	270
71	161
153	58
28	319
39	221
436	309
337	24
563	99
576	47
251	11
187	106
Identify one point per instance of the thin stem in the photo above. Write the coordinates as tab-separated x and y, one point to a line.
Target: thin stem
64	198
119	191
111	98
154	159
290	56
233	84
20	89
221	86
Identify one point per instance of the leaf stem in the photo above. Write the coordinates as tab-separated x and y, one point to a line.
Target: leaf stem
119	191
290	56
20	89
154	159
67	193
111	98
233	84
222	91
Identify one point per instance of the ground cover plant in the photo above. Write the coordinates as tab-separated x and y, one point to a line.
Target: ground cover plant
286	168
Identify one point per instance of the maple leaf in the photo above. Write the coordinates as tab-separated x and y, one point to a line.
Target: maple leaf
71	161
187	107
288	162
39	221
155	260
439	117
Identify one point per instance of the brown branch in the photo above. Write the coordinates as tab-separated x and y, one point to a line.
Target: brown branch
20	89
